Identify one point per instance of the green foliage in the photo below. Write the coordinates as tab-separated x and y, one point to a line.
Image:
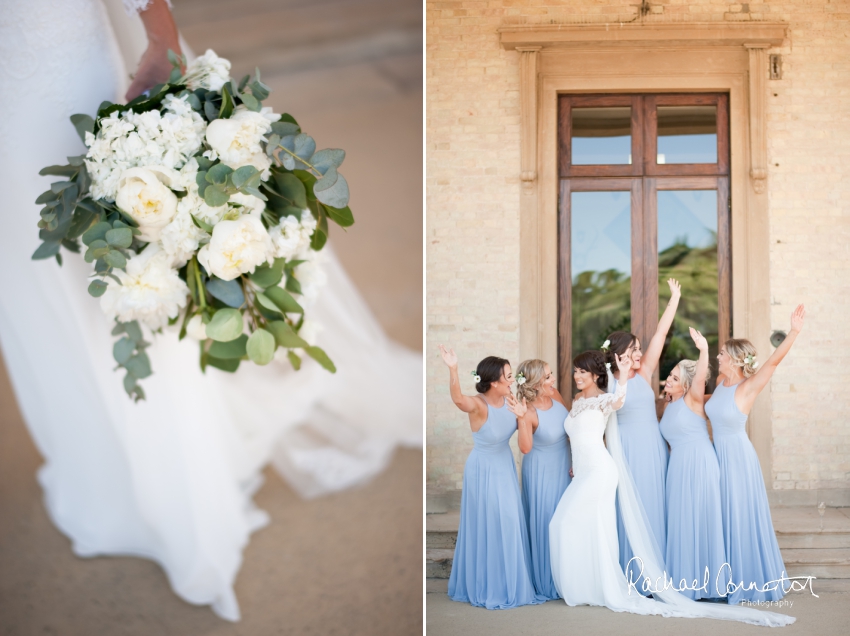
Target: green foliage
129	353
261	346
225	325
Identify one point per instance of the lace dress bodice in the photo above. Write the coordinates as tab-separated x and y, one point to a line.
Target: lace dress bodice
585	426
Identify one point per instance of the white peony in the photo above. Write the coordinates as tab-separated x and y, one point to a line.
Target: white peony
208	71
291	237
196	328
237	247
237	140
310	331
145	195
150	290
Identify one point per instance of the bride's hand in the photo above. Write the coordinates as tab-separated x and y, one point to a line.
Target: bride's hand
154	67
449	357
623	365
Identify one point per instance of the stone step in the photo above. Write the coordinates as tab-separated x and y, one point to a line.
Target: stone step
824	563
438	563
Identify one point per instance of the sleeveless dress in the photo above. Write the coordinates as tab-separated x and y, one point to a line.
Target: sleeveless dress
752	551
170	479
646	455
694	528
491	566
545	477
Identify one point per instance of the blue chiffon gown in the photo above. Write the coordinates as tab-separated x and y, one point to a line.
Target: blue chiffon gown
694	521
751	548
491	566
545	477
646	454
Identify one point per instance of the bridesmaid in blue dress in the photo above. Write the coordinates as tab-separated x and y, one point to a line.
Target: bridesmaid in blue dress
643	446
751	548
695	551
545	464
491	566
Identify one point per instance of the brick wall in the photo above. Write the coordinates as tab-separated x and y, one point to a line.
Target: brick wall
473	195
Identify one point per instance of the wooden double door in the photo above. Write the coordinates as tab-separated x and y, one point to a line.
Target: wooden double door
644	196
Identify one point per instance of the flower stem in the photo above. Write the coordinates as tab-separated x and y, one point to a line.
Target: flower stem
309	165
202	293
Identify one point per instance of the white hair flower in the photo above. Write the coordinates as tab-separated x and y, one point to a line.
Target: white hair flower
520	378
751	360
608	365
476	377
605	345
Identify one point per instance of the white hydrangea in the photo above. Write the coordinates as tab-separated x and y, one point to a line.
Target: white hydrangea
131	140
208	71
236	141
150	290
236	247
291	237
181	238
311	275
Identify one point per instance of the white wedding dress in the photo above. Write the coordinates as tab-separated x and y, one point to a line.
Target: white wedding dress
171	478
583	545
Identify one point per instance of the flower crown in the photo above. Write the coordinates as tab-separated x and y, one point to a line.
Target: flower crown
606	346
751	360
476	377
520	378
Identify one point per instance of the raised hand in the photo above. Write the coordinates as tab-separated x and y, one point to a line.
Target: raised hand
623	364
449	357
675	288
699	340
517	407
797	318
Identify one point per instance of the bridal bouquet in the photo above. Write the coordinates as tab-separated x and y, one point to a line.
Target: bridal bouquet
199	206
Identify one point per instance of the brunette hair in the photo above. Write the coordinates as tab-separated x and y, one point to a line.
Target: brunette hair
490	369
593	362
620	341
532	370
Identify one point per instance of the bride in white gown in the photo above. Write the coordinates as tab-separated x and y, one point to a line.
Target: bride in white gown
171	478
584	550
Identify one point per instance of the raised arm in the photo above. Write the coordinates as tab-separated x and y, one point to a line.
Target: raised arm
618	398
154	67
652	354
465	403
749	389
694	399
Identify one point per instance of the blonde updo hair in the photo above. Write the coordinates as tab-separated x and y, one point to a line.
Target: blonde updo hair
534	372
688	371
738	350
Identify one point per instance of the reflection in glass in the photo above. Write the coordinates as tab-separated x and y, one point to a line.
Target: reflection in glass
602	136
600	265
687	251
687	134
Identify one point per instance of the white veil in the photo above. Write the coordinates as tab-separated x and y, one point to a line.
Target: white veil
644	545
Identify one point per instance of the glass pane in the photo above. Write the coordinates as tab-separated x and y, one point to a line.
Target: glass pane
601	266
687	251
687	134
602	136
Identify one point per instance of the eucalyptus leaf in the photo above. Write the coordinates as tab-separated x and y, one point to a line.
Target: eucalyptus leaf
96	232
139	365
332	189
83	124
46	197
260	347
120	237
97	288
210	110
285	128
133	330
229	292
305	146
229	350
225	365
285	335
215	196
123	349
284	300
321	357
330	157
46	250
226	325
242	175
294	360
218	173
251	102
59	171
116	259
